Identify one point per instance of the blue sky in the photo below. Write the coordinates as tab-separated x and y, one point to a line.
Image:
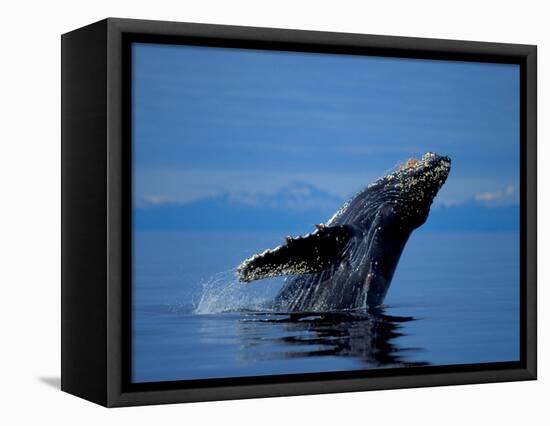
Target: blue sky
208	121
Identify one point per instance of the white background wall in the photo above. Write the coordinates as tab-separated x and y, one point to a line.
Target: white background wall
30	200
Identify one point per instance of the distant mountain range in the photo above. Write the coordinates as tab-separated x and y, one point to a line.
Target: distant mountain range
295	208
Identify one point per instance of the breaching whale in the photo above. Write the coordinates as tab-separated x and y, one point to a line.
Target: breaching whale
348	262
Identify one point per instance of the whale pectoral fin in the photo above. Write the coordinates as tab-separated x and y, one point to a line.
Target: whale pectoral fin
310	253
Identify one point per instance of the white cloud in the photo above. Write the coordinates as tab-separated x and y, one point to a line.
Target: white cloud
507	194
153	200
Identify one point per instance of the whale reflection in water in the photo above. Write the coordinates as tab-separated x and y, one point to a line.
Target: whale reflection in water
367	337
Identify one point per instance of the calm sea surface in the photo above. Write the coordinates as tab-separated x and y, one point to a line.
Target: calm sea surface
454	299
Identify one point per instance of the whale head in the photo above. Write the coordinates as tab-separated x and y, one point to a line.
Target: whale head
412	187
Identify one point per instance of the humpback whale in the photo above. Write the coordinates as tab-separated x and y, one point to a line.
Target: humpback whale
348	262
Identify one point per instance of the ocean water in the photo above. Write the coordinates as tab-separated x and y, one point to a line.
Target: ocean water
454	299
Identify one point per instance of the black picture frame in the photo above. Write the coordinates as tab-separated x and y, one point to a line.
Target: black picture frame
96	211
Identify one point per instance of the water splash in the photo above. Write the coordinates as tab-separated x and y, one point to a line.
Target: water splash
223	292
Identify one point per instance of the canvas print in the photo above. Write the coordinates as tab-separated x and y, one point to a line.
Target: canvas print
297	212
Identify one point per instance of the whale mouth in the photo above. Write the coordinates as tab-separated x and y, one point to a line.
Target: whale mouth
434	160
438	168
